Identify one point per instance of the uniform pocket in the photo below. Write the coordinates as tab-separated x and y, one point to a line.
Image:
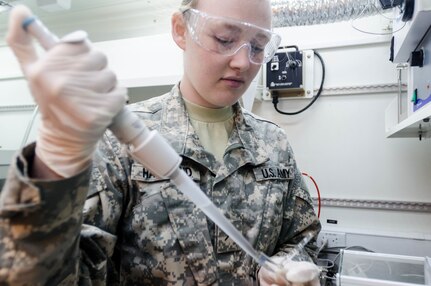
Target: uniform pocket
224	242
150	211
149	205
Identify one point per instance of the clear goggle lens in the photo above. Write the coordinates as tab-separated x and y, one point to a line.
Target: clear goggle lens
226	36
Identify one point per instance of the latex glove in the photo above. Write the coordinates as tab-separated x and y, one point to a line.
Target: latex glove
291	273
76	94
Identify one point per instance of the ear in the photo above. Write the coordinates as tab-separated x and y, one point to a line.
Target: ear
179	30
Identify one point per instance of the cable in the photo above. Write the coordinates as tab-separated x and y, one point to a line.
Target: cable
318	193
372	5
377	34
330	262
275	95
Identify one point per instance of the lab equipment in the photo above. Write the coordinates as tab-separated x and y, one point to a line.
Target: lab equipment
151	149
387	4
419	80
358	268
410	31
226	36
290	73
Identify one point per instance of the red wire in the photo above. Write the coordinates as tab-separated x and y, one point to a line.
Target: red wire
318	194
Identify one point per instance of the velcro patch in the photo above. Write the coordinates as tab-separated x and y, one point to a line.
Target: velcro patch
140	173
263	173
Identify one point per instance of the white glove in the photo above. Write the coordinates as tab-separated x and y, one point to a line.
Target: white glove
291	273
76	94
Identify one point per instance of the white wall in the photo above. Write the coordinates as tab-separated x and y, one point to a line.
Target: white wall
146	61
341	142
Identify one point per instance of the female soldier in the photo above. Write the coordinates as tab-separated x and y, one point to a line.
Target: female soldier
70	215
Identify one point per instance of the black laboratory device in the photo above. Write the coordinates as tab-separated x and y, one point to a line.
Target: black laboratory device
387	4
284	73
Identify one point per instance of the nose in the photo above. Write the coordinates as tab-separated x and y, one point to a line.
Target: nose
241	59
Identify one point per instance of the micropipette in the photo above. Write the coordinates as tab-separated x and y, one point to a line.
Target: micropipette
149	147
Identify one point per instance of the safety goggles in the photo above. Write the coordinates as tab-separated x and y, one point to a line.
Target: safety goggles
227	36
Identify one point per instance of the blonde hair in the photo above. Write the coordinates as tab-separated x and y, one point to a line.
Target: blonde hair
188	4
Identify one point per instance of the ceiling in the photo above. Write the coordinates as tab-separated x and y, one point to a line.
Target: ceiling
104	19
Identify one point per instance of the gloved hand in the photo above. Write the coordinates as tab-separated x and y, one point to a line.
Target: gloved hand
77	96
292	273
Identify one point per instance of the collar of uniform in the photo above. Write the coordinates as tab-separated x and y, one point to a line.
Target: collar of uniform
180	133
245	146
174	121
176	127
248	137
207	115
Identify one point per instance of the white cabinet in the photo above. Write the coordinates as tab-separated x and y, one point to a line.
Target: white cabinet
369	268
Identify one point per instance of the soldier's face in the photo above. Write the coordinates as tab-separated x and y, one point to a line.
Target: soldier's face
215	80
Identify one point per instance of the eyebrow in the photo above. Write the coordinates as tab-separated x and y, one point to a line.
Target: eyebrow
235	28
232	27
264	37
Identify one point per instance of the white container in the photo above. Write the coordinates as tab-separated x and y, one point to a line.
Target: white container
359	268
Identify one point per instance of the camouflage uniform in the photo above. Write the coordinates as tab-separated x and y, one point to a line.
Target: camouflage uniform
139	230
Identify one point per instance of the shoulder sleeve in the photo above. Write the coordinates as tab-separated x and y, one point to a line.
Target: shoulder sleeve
47	236
299	216
40	223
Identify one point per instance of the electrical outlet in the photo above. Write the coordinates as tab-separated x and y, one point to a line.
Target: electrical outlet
332	238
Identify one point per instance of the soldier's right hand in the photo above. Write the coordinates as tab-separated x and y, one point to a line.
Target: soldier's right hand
76	92
291	273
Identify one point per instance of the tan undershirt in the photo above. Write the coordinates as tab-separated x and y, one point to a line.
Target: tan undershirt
213	127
